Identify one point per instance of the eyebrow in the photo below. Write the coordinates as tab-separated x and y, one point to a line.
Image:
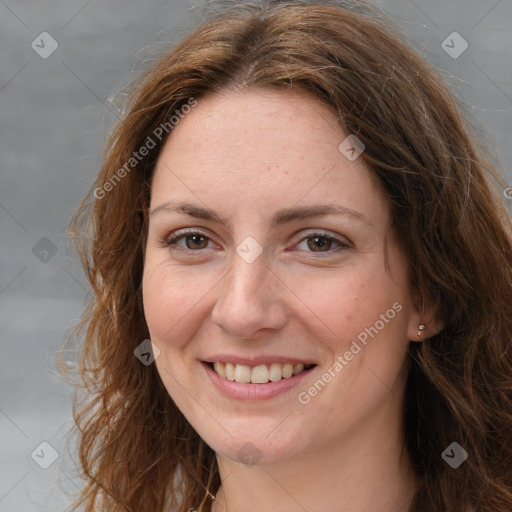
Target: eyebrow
280	217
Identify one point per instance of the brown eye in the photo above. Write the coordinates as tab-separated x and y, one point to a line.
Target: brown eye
319	243
196	241
187	241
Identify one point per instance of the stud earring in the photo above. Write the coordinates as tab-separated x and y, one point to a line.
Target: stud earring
421	327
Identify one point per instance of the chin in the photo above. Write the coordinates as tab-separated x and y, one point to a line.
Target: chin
255	447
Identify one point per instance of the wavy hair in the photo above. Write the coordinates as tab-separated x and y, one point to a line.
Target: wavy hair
137	451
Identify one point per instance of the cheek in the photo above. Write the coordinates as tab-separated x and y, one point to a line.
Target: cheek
344	304
172	301
363	315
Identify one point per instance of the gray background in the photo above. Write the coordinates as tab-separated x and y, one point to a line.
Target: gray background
55	116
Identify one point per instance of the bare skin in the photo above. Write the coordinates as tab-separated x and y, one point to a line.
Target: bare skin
247	156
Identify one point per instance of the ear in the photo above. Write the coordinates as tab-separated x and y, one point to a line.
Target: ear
426	315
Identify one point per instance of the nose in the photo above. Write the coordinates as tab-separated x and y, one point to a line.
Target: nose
250	300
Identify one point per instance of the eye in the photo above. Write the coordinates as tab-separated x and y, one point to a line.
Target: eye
191	242
182	241
321	243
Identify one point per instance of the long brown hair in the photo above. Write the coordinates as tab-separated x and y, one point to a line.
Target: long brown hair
137	450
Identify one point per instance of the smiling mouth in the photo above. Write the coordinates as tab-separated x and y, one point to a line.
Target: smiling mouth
260	374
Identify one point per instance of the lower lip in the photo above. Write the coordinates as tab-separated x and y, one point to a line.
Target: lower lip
249	391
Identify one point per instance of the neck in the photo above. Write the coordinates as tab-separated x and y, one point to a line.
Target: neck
367	470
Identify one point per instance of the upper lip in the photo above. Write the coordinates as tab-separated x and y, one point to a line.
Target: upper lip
256	360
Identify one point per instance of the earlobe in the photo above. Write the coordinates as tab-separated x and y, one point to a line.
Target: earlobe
423	330
423	324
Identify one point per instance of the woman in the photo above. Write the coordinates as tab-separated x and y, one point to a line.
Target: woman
296	215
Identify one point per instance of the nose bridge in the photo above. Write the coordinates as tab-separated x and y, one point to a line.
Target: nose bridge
246	282
249	298
248	266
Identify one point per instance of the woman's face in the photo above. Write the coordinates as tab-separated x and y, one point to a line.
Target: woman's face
282	263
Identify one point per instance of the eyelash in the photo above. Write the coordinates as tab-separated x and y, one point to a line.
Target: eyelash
171	243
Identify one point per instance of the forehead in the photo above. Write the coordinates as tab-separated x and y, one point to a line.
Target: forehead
262	147
257	122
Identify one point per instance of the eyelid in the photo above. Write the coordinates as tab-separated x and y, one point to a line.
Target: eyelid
343	243
175	236
186	231
169	242
312	232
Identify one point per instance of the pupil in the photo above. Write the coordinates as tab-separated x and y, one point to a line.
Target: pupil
320	241
196	240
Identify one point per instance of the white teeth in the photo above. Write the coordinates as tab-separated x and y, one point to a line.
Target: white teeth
220	369
242	373
287	371
298	368
230	371
260	374
275	372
